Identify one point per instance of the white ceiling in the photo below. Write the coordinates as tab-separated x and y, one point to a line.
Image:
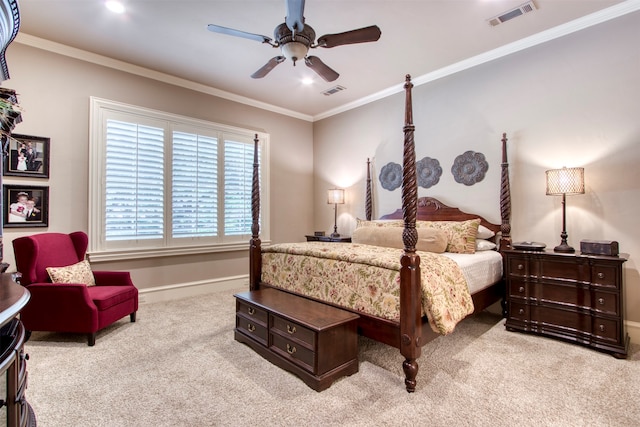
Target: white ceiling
419	37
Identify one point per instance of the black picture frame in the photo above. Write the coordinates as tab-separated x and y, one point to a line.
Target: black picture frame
27	156
16	200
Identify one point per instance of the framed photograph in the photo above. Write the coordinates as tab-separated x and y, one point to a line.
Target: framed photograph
25	206
27	156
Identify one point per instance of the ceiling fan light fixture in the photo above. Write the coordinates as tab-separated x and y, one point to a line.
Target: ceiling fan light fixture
294	51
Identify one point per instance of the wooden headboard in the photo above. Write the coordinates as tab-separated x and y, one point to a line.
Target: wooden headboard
431	209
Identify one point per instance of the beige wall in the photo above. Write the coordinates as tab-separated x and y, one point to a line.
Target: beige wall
568	102
54	92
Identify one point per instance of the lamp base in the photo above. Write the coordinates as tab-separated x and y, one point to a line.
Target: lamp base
564	248
335	234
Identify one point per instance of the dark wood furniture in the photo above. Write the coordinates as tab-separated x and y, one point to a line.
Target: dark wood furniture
13	366
341	239
412	331
316	342
573	297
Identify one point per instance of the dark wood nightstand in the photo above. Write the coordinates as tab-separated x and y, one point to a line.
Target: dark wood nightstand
340	239
573	297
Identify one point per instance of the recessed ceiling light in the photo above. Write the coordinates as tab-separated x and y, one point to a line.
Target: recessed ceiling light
307	81
115	6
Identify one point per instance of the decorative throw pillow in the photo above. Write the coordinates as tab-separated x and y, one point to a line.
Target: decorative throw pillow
379	223
429	239
461	234
76	273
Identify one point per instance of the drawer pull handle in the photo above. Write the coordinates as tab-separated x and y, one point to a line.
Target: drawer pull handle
251	327
252	311
291	349
291	330
521	311
602	328
601	301
601	275
521	289
520	267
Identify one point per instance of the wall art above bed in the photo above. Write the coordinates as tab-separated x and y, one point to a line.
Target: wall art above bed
391	176
428	171
469	168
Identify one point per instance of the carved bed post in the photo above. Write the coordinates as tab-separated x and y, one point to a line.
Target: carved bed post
410	288
255	256
505	199
368	203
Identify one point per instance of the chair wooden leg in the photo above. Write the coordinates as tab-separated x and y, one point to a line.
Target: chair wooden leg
92	339
132	316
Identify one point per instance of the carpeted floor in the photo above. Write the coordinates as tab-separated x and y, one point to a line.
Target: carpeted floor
178	365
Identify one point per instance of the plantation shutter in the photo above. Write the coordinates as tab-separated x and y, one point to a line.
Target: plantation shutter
195	185
238	170
134	193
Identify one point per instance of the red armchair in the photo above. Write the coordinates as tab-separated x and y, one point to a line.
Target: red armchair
71	307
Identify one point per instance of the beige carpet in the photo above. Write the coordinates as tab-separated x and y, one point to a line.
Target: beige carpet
179	366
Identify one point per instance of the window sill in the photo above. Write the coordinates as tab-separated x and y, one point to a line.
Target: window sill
134	254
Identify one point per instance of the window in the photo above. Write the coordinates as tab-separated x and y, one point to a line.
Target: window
164	184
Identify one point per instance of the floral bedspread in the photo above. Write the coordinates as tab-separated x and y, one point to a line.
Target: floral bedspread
367	279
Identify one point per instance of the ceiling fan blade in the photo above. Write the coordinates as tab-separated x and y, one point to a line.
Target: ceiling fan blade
295	15
238	33
268	67
321	68
362	35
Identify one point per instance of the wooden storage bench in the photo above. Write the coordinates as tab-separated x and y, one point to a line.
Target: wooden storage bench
315	341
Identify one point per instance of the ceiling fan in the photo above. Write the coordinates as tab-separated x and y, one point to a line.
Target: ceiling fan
295	38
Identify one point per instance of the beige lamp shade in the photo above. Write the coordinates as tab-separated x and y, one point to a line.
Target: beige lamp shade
335	196
565	181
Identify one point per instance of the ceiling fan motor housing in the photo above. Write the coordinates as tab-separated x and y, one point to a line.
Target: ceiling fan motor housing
294	46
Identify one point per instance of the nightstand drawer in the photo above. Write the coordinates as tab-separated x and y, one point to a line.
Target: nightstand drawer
517	266
572	296
293	330
606	330
518	311
603	275
605	302
518	288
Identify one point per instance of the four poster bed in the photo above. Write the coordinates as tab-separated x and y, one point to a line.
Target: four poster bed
404	296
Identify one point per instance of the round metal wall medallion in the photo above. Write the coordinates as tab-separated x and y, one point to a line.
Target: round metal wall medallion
391	176
469	168
428	171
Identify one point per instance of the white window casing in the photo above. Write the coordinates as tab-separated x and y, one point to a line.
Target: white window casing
162	184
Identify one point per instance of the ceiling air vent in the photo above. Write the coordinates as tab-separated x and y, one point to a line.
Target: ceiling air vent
333	90
527	7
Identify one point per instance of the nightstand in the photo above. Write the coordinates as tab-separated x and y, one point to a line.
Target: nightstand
573	297
340	239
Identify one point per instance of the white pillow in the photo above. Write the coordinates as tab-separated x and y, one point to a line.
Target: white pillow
484	233
484	245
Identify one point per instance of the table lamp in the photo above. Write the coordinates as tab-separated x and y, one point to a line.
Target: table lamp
562	182
335	196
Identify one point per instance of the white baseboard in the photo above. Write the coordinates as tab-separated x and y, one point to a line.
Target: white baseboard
633	329
183	290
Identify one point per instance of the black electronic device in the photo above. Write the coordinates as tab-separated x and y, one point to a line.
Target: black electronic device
529	246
